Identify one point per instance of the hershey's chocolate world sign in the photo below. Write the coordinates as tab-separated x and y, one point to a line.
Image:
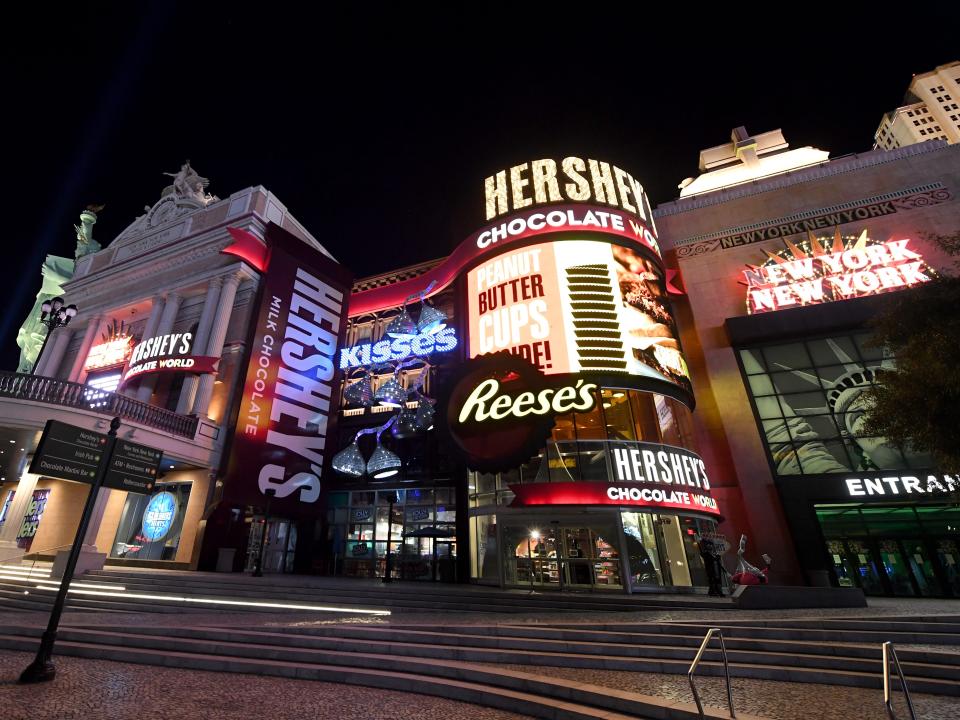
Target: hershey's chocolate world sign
285	416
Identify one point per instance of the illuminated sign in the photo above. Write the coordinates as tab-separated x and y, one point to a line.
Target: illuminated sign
284	414
485	404
654	463
31	518
498	410
821	270
563	219
571	180
395	349
109	354
169	353
620	494
158	516
576	306
901	485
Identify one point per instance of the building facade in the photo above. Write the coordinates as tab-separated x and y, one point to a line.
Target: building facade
931	111
162	295
781	276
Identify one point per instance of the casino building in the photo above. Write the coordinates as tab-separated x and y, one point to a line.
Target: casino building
784	256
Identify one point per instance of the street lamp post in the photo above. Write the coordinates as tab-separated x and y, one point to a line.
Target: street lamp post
258	570
53	314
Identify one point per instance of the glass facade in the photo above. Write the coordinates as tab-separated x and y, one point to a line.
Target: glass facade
808	396
420	533
902	550
595	547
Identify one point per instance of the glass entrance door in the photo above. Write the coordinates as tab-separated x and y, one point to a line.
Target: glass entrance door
865	563
921	565
562	557
948	555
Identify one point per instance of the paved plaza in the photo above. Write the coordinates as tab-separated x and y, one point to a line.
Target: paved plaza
92	688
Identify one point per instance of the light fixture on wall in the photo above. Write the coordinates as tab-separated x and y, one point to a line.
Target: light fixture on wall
431	320
360	392
349	461
402	324
391	393
406	424
383	463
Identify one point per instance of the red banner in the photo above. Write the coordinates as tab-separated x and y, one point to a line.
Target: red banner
195	364
622	494
505	232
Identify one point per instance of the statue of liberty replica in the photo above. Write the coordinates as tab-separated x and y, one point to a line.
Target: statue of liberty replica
56	270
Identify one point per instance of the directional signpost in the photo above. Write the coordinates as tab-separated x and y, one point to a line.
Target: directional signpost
74	453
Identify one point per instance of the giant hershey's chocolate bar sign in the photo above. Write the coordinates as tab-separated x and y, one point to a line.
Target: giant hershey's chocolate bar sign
287	408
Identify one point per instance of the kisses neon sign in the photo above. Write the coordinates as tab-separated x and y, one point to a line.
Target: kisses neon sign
818	271
396	349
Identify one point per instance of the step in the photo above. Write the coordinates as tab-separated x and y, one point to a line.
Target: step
507	690
314	584
660	659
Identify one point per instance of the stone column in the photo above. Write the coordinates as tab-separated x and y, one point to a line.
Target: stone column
218	333
11	525
188	391
49	363
170	309
77	373
90	539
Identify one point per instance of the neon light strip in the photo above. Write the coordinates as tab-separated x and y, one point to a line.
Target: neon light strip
211	601
96	586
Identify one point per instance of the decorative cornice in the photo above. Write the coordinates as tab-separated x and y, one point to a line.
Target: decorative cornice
830	168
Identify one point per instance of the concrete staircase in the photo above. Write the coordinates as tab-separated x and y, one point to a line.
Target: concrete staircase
169	591
469	661
466	661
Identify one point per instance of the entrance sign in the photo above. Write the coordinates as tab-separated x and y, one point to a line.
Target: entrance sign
284	414
68	452
902	485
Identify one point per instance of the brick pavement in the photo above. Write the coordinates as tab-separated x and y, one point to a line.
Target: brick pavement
104	690
768	698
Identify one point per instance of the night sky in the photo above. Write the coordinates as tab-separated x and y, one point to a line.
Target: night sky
377	129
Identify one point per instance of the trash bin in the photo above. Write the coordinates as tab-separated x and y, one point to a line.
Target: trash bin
225	558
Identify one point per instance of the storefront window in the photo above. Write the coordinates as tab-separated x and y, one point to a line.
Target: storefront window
809	397
662	549
420	535
644	416
150	525
617	417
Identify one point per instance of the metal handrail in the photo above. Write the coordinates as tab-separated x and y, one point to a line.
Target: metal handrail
37	388
890	655
726	670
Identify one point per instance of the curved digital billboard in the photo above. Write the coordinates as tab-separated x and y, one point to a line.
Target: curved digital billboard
576	306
